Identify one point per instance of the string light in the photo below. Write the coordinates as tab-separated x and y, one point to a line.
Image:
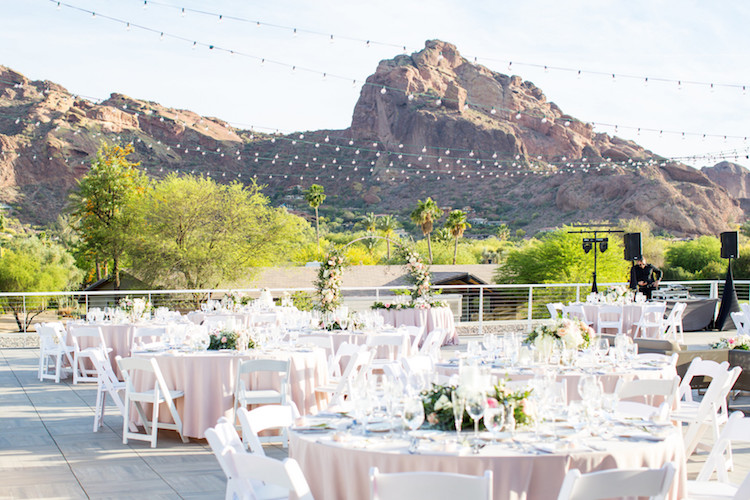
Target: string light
404	48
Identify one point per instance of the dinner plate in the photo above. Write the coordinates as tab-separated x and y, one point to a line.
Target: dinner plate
378	427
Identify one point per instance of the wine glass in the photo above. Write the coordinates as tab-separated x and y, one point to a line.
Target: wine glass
475	405
494	419
413	417
602	346
459	406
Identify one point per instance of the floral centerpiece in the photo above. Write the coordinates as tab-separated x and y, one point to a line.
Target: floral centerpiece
619	294
328	284
438	406
419	276
230	339
574	333
231	301
740	342
135	307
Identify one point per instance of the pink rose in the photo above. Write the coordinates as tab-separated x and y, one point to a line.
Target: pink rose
432	418
492	403
223	340
731	341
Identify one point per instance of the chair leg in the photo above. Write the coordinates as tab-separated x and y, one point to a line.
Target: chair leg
99	409
154	423
41	364
125	419
58	367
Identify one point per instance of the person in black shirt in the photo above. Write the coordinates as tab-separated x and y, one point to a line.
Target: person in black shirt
645	277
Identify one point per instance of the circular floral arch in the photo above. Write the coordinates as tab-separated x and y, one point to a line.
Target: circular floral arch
331	272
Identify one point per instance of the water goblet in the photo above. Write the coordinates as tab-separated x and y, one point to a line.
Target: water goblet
413	417
494	419
475	405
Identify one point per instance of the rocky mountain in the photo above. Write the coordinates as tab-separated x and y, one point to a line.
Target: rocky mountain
732	177
427	124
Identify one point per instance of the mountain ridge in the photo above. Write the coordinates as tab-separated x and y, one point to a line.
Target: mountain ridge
426	124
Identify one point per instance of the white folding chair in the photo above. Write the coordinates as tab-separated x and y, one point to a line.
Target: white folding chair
342	355
577	311
610	318
94	335
159	394
219	321
673	322
353	375
243	396
107	383
555	309
220	438
432	344
416	334
268	476
647	390
432	485
652	318
699	368
618	483
322	341
52	352
145	335
710	413
387	349
702	488
263	418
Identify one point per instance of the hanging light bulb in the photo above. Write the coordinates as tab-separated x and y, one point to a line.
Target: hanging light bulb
383	91
182	13
493	111
127	27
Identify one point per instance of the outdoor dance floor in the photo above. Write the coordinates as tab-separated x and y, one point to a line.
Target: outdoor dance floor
48	449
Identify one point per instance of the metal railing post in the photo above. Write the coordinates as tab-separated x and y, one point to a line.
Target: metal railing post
531	306
714	290
23	325
481	310
578	293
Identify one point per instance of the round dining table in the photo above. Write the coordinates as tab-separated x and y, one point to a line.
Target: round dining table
117	336
607	374
337	463
431	318
208	379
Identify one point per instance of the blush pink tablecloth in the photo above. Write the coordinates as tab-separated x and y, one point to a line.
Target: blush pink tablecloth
340	472
436	317
208	380
631	314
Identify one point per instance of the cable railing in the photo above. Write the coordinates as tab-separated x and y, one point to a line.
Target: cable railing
473	306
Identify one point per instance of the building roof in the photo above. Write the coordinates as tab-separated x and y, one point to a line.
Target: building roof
372	276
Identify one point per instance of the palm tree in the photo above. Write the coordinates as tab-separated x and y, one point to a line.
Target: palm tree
370	222
456	224
424	215
388	225
315	196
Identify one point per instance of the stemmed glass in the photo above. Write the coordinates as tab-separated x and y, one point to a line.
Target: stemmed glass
413	417
475	405
494	419
459	406
601	346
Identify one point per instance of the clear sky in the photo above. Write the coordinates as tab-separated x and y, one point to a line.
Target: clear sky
687	40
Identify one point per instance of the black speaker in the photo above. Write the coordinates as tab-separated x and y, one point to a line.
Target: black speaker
633	248
729	248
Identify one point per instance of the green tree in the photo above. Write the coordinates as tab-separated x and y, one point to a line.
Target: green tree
425	215
30	264
387	225
699	259
196	233
99	206
315	196
456	224
559	258
503	232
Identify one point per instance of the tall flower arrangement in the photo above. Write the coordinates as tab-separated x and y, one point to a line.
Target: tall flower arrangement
419	275
328	284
